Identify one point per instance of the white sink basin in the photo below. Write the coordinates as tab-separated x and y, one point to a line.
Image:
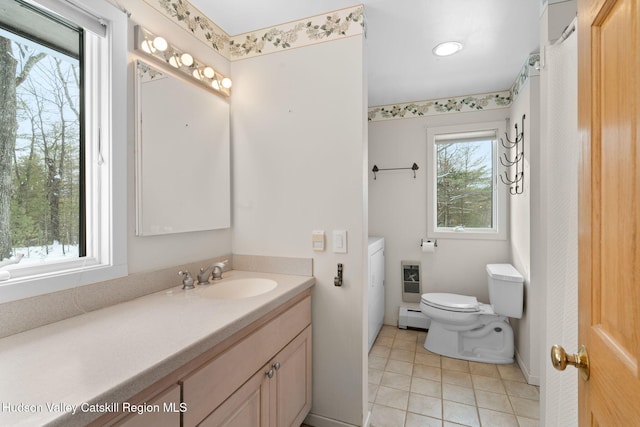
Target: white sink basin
238	288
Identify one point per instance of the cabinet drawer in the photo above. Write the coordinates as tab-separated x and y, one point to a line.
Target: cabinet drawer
208	387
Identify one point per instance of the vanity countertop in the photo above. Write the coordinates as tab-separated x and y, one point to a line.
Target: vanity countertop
111	354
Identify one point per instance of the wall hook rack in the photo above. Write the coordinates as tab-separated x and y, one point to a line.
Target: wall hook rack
515	182
376	169
337	281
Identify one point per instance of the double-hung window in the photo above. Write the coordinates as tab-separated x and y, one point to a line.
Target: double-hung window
465	200
62	145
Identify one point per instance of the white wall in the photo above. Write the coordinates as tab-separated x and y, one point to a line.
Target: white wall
397	211
527	329
298	143
297	166
154	252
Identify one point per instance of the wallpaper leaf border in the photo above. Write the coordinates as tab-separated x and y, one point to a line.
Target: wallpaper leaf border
529	69
318	29
460	104
304	32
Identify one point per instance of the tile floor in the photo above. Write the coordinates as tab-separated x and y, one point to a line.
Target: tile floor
410	386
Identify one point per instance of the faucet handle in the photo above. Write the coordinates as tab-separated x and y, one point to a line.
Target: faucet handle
203	276
216	273
187	280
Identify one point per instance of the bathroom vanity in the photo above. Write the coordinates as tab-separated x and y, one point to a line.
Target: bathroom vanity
169	359
260	377
269	370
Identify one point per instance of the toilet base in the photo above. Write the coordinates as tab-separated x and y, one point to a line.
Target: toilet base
491	342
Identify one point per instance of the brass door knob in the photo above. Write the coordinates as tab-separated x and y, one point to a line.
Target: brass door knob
560	359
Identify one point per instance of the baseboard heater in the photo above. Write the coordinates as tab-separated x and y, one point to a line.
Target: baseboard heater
412	317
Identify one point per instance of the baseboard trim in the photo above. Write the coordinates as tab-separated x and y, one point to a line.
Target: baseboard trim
320	421
531	379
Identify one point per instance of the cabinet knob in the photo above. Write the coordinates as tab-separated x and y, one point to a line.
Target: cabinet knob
276	366
270	373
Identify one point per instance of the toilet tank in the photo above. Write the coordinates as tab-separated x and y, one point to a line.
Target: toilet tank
505	289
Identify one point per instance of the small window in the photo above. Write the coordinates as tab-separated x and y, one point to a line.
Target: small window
61	201
465	199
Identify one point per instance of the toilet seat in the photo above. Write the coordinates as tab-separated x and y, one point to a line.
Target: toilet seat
451	302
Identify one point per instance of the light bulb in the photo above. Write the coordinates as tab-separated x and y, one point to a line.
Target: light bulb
186	59
208	72
215	85
447	48
196	74
174	61
147	46
160	44
226	83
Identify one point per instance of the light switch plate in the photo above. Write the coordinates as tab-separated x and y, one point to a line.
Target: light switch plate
340	241
317	240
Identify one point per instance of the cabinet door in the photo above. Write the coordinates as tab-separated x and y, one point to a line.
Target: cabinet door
167	413
293	381
205	389
248	406
278	395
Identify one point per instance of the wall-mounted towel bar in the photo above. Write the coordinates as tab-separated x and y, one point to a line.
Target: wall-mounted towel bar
376	169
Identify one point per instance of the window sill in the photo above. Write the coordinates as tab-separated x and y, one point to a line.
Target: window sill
37	284
468	235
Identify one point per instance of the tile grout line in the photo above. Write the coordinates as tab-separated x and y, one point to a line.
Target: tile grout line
502	375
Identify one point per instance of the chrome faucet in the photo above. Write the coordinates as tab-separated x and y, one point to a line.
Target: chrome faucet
216	272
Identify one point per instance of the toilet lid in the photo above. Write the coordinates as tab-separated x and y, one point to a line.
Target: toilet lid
451	302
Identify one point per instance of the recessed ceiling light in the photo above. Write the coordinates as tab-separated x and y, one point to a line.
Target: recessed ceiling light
447	48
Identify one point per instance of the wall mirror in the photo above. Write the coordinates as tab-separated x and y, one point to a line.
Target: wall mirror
182	155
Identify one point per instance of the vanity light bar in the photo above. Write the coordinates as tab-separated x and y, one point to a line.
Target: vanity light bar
163	52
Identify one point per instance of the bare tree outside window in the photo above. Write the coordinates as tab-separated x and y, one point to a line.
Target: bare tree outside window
465	184
39	151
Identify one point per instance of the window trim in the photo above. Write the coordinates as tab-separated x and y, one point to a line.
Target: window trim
500	219
106	181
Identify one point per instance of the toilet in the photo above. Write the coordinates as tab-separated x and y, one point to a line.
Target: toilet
463	328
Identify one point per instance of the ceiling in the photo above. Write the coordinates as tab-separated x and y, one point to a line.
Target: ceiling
498	36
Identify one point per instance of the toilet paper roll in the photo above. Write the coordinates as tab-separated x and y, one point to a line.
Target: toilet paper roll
428	246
